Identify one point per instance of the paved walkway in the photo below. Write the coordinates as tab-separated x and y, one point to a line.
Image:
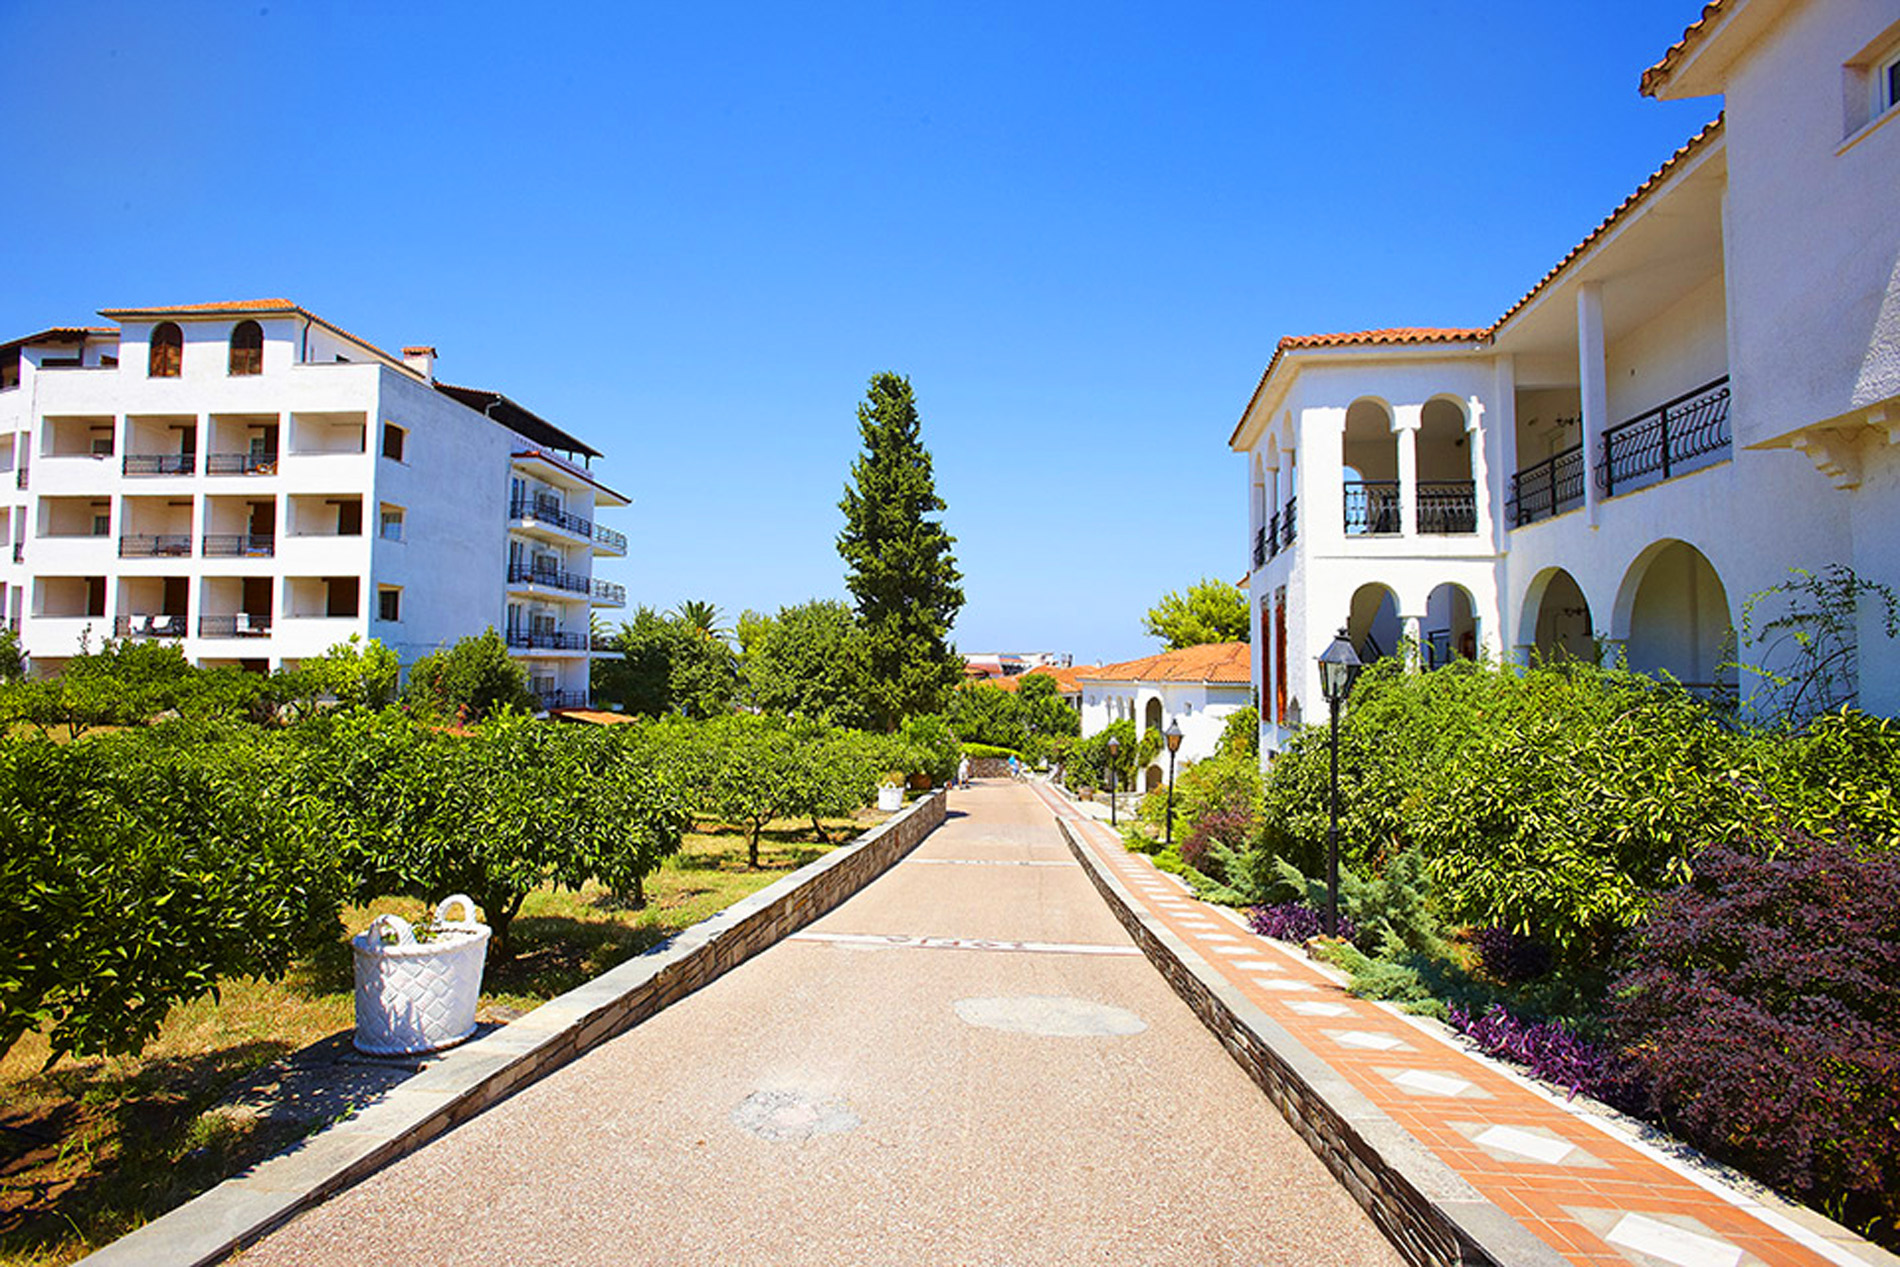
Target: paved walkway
968	1062
1575	1178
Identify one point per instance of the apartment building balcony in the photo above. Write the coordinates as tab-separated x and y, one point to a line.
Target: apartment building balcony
554	697
1447	507
542	516
160	444
148	625
263	462
159	545
243	444
20	476
532	579
608	542
19	552
1280	533
609	594
160	464
544	639
238	545
1544	489
1372	508
235	625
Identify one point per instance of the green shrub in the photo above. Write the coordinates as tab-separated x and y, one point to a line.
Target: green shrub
470	680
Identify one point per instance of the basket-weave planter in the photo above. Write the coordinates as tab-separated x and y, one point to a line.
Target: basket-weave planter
416	996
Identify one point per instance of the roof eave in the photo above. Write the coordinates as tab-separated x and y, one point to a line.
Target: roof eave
1273	382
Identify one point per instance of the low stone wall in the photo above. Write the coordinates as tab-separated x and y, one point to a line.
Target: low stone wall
1433	1217
989	767
463	1082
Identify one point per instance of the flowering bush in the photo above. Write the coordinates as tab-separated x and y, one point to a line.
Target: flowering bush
1763	1001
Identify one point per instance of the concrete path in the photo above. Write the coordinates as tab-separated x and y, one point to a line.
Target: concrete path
969	1062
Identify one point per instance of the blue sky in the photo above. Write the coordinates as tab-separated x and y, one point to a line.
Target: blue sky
691	233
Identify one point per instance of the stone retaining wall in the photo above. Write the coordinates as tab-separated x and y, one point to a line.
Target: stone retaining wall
1433	1217
463	1082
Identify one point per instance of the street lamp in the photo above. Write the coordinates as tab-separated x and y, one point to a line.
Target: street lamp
1337	667
1114	753
1173	735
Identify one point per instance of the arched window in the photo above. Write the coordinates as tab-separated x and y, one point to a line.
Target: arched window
247	348
168	351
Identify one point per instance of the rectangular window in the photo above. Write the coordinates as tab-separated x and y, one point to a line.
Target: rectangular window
101	523
393	438
391	524
1889	85
388	603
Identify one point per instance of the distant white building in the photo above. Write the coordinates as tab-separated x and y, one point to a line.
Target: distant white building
256	484
1008	664
1701	395
1198	688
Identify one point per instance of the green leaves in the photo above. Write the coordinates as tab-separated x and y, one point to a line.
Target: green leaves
1211	611
473	679
899	567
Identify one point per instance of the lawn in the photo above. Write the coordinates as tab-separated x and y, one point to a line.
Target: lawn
90	1149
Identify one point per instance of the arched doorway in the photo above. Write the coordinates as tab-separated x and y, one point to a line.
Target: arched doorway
1151	779
1151	716
1557	618
1373	625
1450	628
1371	459
1678	617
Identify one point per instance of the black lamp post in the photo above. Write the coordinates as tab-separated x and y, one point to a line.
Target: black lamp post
1173	735
1114	753
1337	667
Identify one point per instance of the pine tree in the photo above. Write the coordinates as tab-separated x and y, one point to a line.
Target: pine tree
901	571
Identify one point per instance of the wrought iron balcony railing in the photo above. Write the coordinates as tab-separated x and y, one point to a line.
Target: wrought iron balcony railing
1260	552
1668	440
240	625
19	552
552	578
19	476
241	545
547	640
604	642
160	463
610	593
1447	507
550	514
240	464
1546	488
1289	521
562	699
171	545
148	626
1372	507
615	541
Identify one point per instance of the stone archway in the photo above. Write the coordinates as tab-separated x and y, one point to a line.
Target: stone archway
1556	624
1679	622
1373	625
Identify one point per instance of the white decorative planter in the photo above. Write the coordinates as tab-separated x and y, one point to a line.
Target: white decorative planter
416	996
890	798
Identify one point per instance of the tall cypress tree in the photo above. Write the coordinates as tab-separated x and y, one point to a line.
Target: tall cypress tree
901	571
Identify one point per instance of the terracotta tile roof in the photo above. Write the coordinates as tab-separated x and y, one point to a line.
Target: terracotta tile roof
1657	75
1355	338
59	334
593	717
1694	145
1220	662
1068	681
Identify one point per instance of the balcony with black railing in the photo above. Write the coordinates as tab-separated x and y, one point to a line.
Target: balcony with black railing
606	643
160	463
547	514
610	594
239	545
1676	437
1546	489
1289	522
238	625
546	640
562	699
143	626
19	552
261	463
1260	551
550	578
19	476
155	545
1447	507
1372	508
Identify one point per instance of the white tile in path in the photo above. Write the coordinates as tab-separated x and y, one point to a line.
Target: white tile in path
1530	1145
1309	1007
1672	1244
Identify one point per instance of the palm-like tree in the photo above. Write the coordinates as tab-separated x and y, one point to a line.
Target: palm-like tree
702	617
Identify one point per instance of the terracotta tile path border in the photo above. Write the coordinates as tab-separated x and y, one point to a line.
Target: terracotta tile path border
1424	1118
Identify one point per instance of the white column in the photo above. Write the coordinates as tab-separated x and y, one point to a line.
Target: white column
1593	385
1321	479
1480	467
1412	631
1405	422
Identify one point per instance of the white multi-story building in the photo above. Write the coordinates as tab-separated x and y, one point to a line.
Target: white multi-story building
257	484
1699	397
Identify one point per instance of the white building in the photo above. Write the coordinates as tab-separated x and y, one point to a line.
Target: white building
256	484
1198	688
1700	396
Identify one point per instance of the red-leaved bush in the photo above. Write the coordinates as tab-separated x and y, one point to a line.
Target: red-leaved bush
1763	1002
1227	827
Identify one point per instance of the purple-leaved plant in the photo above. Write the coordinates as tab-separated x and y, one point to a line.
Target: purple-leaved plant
1552	1052
1296	922
1510	957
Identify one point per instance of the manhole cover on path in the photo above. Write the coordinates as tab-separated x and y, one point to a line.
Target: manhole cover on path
786	1117
1053	1015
